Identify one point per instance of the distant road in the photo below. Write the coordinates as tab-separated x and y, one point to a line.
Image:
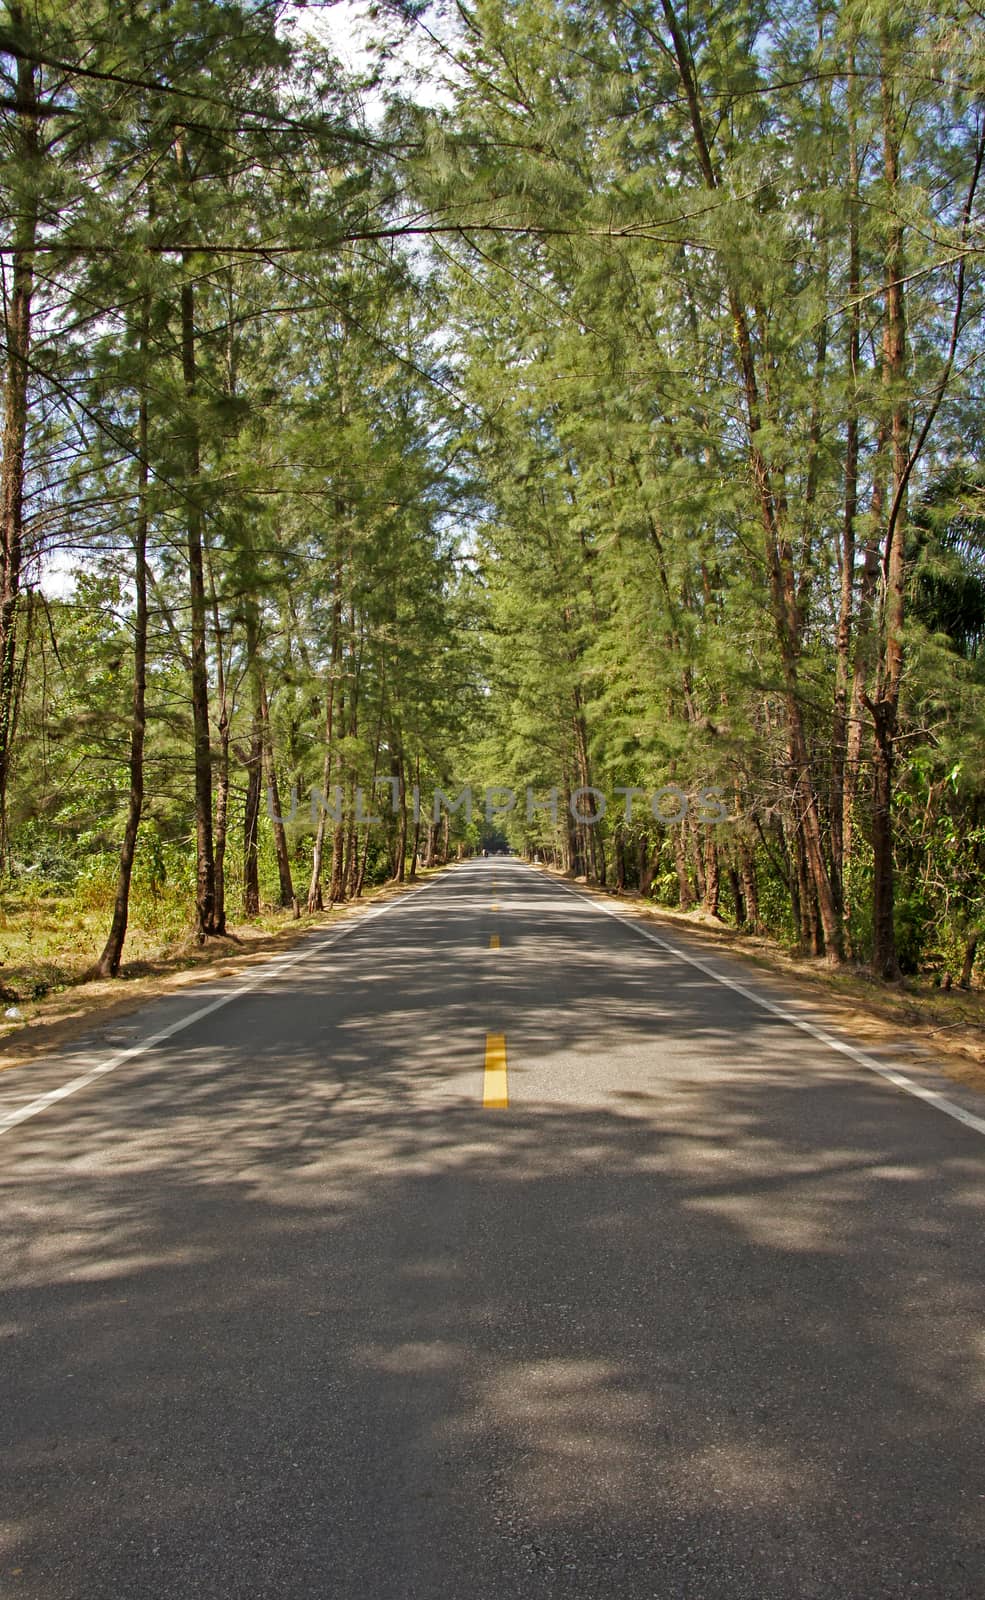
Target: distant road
487	1251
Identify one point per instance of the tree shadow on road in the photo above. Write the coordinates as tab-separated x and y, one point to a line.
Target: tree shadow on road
330	1332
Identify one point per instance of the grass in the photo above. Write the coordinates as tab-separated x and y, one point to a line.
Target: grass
49	941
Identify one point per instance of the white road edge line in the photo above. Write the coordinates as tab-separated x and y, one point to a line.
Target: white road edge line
33	1108
940	1102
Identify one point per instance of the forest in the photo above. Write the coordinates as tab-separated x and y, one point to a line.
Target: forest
574	399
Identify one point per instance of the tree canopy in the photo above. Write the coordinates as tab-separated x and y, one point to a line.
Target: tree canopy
605	420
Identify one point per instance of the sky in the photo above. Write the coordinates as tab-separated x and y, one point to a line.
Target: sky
348	28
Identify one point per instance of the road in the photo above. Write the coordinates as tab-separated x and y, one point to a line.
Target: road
295	1306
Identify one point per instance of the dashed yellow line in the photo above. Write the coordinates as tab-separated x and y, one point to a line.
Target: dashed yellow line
494	906
495	1093
494	941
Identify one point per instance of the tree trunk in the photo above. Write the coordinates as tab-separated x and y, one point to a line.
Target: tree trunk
737	900
649	865
364	857
619	848
401	844
222	783
846	553
696	856
794	888
315	902
336	891
884	958
205	884
863	646
17	329
713	881
287	895
417	821
108	965
351	869
750	887
574	857
808	931
685	893
884	707
345	852
598	847
968	963
251	820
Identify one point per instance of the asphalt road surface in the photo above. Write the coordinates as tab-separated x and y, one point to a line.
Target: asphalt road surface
294	1305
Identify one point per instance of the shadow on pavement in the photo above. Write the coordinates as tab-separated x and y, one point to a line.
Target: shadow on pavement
320	1330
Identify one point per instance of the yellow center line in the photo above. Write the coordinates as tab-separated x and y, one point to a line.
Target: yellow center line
494	906
495	1093
494	941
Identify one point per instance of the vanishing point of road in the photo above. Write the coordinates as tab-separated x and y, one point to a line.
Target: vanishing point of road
484	1248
